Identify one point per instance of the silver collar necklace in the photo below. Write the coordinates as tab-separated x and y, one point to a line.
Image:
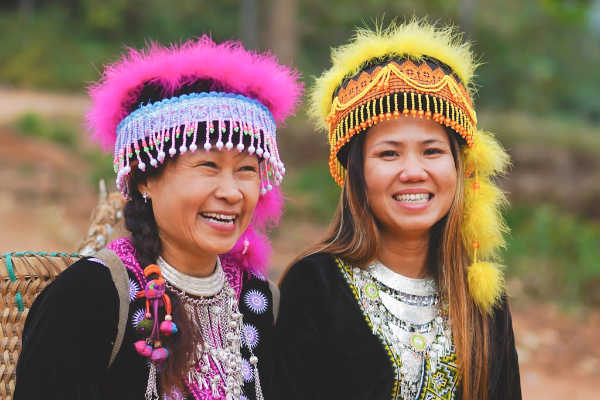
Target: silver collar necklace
201	287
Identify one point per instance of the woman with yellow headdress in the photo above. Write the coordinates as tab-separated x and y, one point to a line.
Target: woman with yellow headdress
403	298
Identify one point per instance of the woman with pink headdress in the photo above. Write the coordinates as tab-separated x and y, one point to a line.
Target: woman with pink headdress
193	131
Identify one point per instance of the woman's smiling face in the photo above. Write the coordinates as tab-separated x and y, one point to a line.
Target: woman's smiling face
204	201
410	174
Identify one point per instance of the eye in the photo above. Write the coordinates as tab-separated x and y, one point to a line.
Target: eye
387	154
433	151
208	164
250	168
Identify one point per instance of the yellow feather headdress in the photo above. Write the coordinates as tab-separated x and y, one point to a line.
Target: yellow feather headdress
417	69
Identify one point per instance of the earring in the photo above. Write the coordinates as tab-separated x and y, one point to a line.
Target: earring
145	196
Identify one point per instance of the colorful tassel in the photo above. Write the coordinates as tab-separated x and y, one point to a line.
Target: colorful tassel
160	354
168	328
143	348
155	294
144	328
486	284
482	222
487	155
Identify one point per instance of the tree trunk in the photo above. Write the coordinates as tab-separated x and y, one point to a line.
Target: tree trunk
282	35
466	13
26	8
249	24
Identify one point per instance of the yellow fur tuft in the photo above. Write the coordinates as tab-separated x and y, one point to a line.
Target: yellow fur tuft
486	156
413	39
483	222
486	285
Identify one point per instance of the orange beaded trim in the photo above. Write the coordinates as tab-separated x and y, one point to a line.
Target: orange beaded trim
393	91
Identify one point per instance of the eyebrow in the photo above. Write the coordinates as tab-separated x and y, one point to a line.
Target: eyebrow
397	143
390	142
430	141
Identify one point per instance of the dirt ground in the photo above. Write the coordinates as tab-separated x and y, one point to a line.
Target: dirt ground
45	204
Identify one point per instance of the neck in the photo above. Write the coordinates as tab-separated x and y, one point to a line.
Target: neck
405	254
192	263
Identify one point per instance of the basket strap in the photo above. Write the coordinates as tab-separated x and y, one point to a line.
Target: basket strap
11	274
275	296
120	278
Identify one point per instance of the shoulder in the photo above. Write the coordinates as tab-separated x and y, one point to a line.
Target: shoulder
314	274
79	289
87	275
314	267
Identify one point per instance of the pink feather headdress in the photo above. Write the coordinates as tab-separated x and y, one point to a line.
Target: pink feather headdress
257	76
260	93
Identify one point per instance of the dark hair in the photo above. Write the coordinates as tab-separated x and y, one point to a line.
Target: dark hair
139	219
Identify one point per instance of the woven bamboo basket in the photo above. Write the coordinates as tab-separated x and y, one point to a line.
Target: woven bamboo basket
23	276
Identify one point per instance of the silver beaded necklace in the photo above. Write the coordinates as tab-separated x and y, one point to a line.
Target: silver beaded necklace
213	309
405	312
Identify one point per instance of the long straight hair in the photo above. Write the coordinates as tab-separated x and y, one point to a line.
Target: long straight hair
353	236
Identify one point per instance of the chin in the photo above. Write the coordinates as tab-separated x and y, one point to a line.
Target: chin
216	245
414	226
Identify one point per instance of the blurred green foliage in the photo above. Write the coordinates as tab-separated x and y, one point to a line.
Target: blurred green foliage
517	127
63	44
312	193
538	56
101	167
65	132
61	132
555	255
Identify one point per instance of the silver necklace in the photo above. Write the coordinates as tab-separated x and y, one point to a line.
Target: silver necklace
405	312
192	285
216	318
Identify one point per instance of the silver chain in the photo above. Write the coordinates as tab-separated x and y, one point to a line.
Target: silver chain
219	324
406	339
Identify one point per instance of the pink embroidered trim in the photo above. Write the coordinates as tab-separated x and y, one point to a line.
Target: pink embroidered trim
124	249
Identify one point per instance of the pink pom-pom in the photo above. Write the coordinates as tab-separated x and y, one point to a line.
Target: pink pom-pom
168	328
159	354
154	289
143	348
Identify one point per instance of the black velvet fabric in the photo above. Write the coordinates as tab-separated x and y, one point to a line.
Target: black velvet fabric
70	331
325	349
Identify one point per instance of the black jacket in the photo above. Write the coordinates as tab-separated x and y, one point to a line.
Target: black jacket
70	331
325	349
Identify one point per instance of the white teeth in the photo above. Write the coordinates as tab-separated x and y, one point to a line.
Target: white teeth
222	218
413	197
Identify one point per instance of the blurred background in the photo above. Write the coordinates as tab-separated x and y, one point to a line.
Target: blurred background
539	91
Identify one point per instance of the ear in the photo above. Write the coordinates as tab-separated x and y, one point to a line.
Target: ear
144	187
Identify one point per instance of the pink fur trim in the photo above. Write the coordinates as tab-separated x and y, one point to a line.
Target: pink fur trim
268	210
258	76
258	255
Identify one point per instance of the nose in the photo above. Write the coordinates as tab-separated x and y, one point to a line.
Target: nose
413	170
228	189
